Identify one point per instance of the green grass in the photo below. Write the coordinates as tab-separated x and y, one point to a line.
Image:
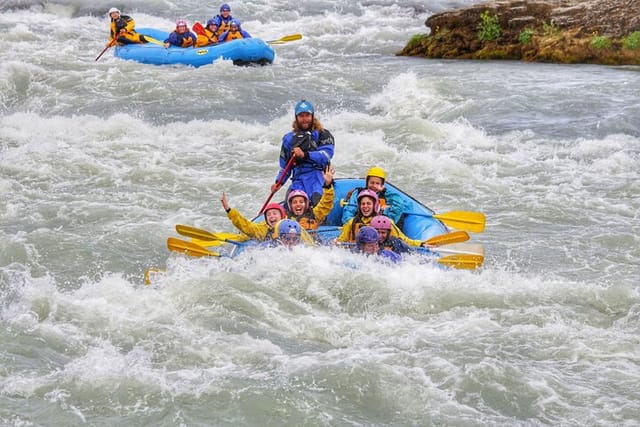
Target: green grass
632	41
525	36
601	42
489	27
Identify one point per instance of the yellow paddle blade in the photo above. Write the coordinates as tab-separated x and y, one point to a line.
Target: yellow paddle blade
207	243
463	220
200	234
188	248
445	239
152	40
463	261
289	38
461	248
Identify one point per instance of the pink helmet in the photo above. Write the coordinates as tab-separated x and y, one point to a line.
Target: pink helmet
370	193
277	206
296	193
380	222
180	22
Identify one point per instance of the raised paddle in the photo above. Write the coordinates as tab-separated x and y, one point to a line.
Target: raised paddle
111	43
188	248
285	39
198	29
285	171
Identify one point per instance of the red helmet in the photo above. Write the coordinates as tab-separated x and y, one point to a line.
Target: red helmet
277	206
380	222
296	193
370	193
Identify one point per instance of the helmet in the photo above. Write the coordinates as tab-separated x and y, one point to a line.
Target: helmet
288	226
235	22
367	234
114	9
303	106
212	21
180	22
377	172
370	193
225	7
380	222
295	193
277	206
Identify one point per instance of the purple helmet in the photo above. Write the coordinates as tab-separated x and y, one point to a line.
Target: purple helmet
367	234
225	7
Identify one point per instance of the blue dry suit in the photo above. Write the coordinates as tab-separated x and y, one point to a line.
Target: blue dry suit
306	173
391	256
391	205
181	40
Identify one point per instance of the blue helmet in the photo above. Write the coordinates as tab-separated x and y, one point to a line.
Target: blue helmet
225	7
288	227
235	22
303	106
212	21
367	234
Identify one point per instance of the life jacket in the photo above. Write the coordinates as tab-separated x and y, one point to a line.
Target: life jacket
124	22
223	24
307	220
234	35
206	39
187	41
358	221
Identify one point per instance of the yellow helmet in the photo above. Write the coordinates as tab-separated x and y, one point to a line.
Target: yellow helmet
378	172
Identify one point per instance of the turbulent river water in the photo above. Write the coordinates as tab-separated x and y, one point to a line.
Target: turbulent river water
100	160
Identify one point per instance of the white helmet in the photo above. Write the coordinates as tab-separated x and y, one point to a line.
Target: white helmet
113	9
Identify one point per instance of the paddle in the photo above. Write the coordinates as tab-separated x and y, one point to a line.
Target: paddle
200	234
462	261
152	40
460	248
279	183
188	248
470	221
445	239
111	43
285	39
198	29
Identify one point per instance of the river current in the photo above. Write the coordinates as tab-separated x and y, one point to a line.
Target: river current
99	160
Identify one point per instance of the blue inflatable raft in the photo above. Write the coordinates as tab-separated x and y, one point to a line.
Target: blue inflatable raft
241	52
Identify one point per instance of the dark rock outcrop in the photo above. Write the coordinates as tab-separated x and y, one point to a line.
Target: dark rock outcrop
566	31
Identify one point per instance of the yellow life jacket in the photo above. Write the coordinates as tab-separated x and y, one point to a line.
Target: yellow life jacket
234	35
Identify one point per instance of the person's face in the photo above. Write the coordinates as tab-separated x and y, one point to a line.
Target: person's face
289	239
383	234
225	13
366	206
181	29
376	184
233	28
272	216
369	248
304	120
213	28
115	15
298	204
